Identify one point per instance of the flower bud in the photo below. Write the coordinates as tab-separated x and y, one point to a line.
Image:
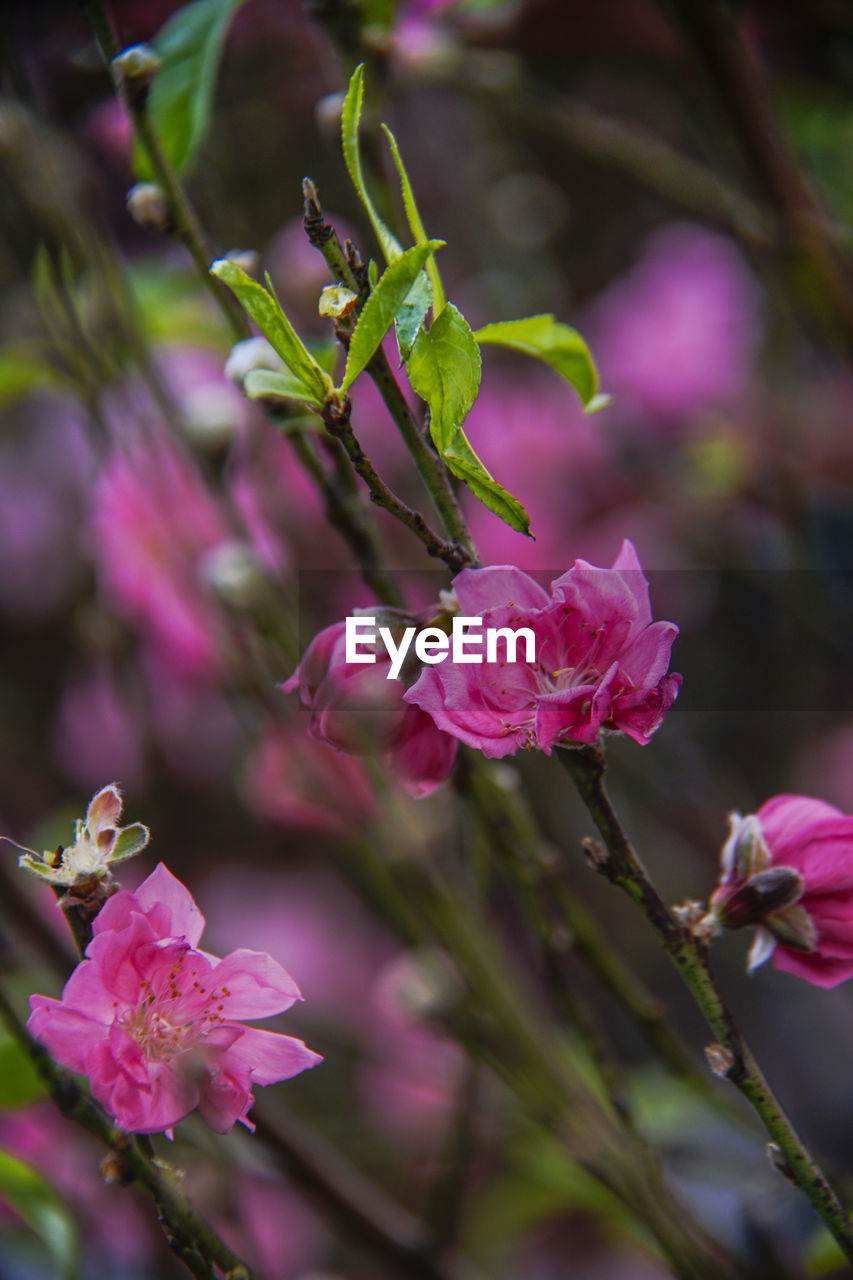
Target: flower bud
134	70
233	571
147	205
251	353
249	260
210	417
774	889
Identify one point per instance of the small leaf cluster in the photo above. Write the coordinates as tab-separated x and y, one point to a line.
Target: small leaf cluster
440	351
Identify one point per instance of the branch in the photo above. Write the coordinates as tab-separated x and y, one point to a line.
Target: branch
191	1238
430	466
733	1058
337	421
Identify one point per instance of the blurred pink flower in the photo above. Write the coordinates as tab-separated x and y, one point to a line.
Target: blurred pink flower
601	663
813	938
356	709
153	522
154	1022
678	333
289	780
99	729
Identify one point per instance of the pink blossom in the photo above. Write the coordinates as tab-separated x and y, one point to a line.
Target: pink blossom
357	710
153	522
289	779
816	840
601	663
677	334
155	1023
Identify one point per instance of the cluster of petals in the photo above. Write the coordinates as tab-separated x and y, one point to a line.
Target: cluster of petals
156	1024
815	840
601	662
357	709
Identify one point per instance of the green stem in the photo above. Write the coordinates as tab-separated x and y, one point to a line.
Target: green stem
517	835
622	867
346	514
190	1237
188	228
430	467
336	417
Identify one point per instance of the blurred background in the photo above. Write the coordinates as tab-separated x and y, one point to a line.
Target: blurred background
674	180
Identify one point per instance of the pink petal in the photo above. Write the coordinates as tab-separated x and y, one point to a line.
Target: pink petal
812	966
646	662
787	819
269	1057
162	888
479	590
424	755
85	992
250	984
68	1034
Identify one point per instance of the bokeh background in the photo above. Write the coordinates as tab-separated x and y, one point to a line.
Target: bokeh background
164	558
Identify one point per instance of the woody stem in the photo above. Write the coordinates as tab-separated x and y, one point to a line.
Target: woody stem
623	868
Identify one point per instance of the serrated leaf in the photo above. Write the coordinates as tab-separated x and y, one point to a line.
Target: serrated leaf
180	103
264	308
411	315
416	226
381	308
350	121
265	384
464	463
444	369
558	345
20	1083
31	1197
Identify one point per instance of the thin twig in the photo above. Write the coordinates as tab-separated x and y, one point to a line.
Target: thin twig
429	465
623	867
336	417
188	227
187	1232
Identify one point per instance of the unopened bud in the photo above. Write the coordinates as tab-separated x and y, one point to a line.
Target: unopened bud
249	260
234	572
720	1059
252	353
147	205
736	906
111	1170
745	851
327	113
210	416
134	70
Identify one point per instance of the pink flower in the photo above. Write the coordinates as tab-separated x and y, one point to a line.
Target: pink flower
678	333
601	663
356	709
153	523
153	1022
789	869
289	779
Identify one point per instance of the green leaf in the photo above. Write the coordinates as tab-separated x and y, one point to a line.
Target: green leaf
557	344
392	291
411	315
464	463
20	1083
26	1191
266	384
180	104
416	226
265	309
350	120
129	841
444	369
